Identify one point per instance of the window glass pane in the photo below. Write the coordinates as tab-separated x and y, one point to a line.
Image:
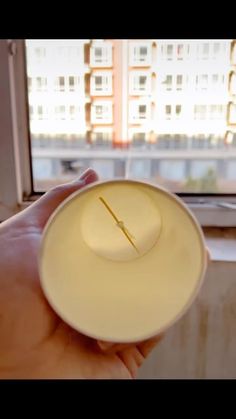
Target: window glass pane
159	110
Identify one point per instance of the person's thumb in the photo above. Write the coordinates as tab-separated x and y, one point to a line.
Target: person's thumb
41	210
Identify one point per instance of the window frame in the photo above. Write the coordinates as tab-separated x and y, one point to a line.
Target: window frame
16	180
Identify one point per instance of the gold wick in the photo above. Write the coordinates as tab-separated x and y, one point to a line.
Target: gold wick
119	223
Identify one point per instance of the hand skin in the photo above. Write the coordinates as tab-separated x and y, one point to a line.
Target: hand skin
34	342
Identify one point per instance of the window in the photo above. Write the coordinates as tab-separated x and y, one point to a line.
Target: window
140	54
139	83
98	54
173	111
66	127
215	78
101	55
70	120
60	83
202	82
41	84
168	82
60	112
169	52
216	48
200	111
101	84
139	138
39	53
142	111
178	109
142	82
102	139
168	111
98	83
180	51
179	82
101	112
205	50
216	112
72	83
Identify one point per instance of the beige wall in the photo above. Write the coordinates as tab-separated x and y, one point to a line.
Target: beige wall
203	343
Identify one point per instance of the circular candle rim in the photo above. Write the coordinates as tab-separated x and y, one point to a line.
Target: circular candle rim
174	198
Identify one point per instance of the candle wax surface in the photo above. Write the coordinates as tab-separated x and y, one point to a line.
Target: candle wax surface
121	260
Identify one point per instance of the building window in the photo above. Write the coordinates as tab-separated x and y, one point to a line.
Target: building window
98	54
102	112
143	51
101	138
98	83
101	84
180	51
202	82
39	112
178	109
101	55
73	112
168	111
179	82
71	83
40	53
216	48
216	111
139	137
215	78
60	112
140	83
168	82
140	54
99	111
60	84
138	111
200	112
169	52
205	51
41	84
142	109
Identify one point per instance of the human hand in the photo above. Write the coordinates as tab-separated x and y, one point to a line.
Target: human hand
34	341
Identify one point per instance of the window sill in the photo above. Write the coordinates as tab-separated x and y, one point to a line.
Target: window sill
221	243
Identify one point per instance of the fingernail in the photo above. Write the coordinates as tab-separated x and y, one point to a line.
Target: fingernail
86	176
104	345
86	173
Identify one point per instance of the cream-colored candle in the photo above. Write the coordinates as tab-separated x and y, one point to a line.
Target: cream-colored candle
121	260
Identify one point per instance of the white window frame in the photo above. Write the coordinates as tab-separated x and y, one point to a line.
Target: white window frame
106	86
135	58
107	58
174	56
107	112
134	85
173	115
16	190
134	113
